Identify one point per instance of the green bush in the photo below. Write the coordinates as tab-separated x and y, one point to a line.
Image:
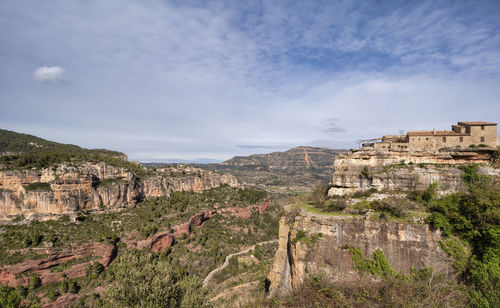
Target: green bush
300	236
366	172
319	193
398	207
334	205
35	282
377	266
474	217
10	297
144	280
39	186
94	269
52	295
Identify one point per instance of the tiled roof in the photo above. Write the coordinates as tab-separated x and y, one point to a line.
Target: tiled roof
438	133
476	123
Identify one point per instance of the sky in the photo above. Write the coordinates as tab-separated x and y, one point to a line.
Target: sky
208	80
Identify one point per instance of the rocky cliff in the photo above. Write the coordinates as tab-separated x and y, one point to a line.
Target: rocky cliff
315	244
69	188
360	170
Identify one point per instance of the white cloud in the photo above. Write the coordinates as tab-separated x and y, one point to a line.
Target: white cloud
50	74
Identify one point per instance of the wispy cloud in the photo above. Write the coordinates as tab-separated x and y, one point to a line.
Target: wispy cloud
332	126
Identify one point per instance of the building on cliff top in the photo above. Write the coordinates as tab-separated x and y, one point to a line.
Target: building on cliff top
462	135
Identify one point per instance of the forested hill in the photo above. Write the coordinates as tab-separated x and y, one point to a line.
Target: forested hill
17	143
26	151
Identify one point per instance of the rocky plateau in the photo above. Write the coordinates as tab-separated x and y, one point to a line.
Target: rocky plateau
361	170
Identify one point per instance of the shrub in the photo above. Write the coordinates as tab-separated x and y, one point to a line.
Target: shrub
319	193
10	297
39	186
301	236
144	280
52	295
366	172
398	207
94	269
334	205
425	196
364	193
474	217
360	207
35	282
377	266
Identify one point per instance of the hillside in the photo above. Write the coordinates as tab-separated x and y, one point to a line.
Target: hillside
296	159
16	143
296	169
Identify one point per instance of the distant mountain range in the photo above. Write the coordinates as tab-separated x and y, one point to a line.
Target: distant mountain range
296	159
296	169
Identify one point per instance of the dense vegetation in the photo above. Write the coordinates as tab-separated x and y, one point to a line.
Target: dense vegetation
24	143
151	280
469	222
473	217
144	278
26	151
420	289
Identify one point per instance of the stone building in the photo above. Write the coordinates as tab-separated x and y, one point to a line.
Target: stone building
462	135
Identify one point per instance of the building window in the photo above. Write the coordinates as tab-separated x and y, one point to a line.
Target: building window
482	139
444	139
482	127
461	139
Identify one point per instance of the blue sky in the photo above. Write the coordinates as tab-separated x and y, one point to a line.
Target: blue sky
189	80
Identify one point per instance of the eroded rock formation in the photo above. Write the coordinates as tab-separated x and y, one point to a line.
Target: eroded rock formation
360	170
405	246
88	186
20	273
162	240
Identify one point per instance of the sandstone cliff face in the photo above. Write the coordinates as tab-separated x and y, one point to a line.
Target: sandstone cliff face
361	170
405	246
88	186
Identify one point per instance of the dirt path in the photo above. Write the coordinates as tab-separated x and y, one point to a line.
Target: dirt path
226	262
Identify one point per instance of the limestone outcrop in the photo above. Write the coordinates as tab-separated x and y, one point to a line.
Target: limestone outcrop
69	188
361	170
405	246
